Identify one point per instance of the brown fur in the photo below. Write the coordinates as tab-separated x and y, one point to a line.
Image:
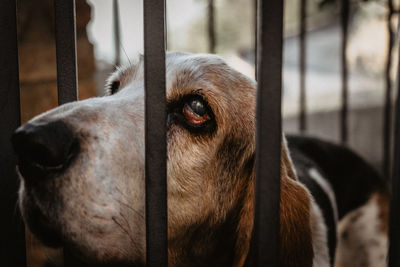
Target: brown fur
210	175
295	232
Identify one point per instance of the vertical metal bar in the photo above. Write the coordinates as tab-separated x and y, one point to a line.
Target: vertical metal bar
344	73
268	134
394	230
12	248
117	34
387	114
302	66
255	36
211	27
66	51
67	79
155	133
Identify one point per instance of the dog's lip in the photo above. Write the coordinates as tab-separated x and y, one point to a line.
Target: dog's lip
43	228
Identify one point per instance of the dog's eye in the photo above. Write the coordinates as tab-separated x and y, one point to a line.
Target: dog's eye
114	87
193	113
196	112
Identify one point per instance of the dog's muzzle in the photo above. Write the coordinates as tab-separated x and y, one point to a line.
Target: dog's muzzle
44	149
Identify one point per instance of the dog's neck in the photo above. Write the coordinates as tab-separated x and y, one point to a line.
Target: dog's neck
205	244
227	243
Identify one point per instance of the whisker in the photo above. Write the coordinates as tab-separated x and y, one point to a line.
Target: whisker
123	50
129	207
126	232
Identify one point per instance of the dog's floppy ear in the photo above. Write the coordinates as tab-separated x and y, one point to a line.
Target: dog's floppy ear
295	229
296	237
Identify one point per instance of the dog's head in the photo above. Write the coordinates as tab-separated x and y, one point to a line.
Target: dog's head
82	164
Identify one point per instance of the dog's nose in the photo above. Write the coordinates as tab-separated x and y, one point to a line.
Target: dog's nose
44	148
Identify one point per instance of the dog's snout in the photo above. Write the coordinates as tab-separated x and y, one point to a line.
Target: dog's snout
44	148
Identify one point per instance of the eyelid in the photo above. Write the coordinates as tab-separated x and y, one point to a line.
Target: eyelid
176	114
194	118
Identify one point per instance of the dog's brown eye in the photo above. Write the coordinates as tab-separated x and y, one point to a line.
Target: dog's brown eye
196	112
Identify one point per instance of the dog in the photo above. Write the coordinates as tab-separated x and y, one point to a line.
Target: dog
82	184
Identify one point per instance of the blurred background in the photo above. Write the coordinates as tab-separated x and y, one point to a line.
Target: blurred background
110	33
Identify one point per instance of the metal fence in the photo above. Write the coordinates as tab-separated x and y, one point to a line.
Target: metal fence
265	244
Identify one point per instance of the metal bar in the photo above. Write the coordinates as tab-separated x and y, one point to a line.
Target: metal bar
67	82
155	133
387	114
344	73
212	43
67	79
117	34
268	134
394	229
12	249
302	66
255	36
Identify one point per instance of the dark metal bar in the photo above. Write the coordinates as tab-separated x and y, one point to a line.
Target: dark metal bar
255	36
394	229
344	74
155	133
212	43
67	70
302	66
265	244
117	34
387	114
66	51
12	248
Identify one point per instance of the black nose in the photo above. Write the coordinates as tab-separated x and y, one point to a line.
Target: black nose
44	148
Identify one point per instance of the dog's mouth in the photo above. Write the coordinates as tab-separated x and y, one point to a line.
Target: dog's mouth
47	230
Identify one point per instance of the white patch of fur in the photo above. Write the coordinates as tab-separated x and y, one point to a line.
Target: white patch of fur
327	188
362	243
319	237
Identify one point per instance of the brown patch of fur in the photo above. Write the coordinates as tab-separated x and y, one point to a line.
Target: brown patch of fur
383	200
295	233
296	240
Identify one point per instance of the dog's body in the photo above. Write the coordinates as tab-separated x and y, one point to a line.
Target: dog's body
82	170
352	197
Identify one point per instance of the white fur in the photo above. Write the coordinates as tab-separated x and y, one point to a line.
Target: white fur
319	237
327	188
362	243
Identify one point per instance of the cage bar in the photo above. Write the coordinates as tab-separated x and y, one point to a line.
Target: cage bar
394	229
155	133
117	33
302	66
387	114
212	43
12	229
67	82
265	244
344	70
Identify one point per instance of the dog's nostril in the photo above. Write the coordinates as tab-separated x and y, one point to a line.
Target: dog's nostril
44	147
